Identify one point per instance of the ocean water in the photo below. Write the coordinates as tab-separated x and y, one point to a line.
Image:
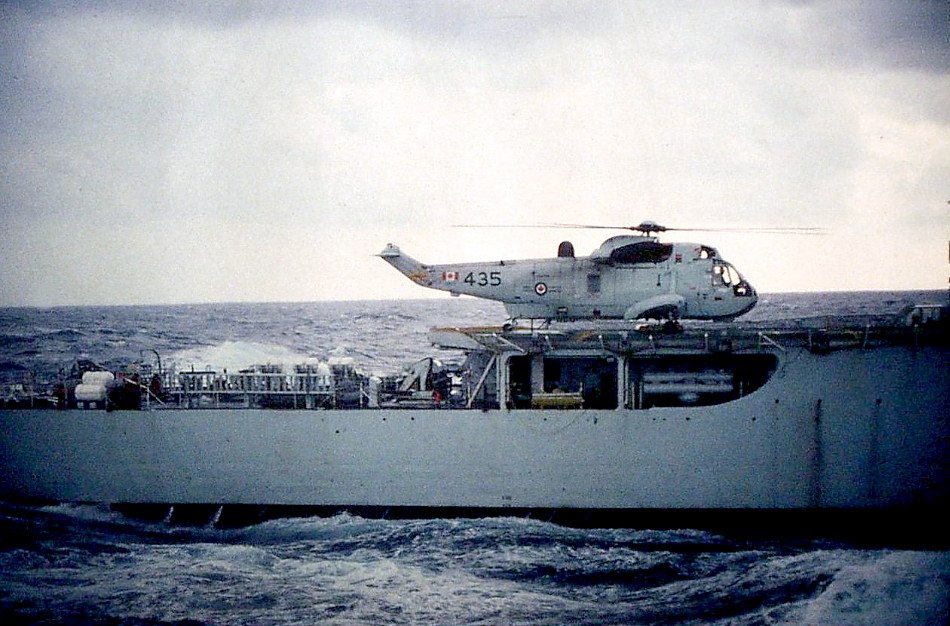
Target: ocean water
82	564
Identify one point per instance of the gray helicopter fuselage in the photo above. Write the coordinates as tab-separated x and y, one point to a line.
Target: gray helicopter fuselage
628	277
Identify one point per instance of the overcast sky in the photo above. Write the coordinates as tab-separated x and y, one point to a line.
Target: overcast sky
163	152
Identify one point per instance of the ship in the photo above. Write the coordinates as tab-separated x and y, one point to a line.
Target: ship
771	428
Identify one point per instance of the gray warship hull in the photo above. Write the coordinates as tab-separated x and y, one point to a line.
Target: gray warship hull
859	429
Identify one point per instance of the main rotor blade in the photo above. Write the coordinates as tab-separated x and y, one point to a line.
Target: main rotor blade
653	227
782	230
544	226
646	227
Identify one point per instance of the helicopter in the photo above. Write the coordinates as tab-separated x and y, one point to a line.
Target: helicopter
630	277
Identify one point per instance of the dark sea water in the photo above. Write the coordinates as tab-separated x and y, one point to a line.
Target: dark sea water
71	564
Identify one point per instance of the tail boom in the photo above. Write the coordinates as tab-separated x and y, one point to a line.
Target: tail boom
415	271
474	279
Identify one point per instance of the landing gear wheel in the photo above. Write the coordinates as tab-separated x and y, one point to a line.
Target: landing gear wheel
672	327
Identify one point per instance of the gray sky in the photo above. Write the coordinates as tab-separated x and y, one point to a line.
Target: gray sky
158	152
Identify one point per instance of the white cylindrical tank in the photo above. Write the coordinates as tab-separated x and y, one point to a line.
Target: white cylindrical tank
86	392
97	378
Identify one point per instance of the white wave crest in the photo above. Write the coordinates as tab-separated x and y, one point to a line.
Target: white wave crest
893	588
236	355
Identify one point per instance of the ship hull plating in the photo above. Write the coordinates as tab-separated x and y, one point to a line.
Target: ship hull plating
850	429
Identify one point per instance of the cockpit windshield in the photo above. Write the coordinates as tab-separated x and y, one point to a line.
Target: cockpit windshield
726	275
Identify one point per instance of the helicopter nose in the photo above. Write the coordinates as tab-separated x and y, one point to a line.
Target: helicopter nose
746	295
744	290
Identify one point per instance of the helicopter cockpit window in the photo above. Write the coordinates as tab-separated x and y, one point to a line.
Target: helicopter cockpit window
705	252
642	252
725	274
